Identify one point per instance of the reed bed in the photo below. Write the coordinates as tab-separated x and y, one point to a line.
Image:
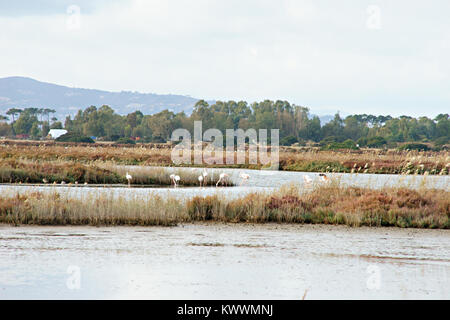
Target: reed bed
326	204
57	171
290	159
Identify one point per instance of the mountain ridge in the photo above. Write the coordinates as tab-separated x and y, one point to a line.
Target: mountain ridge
25	92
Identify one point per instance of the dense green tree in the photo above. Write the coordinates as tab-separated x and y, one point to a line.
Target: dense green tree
294	122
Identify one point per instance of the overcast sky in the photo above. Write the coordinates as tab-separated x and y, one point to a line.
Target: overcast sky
380	57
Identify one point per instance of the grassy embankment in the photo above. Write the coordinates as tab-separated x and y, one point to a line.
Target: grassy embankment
32	162
71	172
332	204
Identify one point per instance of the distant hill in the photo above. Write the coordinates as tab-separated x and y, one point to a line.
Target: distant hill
23	92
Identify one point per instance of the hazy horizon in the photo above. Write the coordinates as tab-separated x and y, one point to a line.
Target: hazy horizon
374	57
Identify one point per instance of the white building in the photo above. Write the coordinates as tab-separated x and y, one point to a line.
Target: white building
55	133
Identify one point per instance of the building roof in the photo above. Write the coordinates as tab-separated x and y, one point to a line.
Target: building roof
55	133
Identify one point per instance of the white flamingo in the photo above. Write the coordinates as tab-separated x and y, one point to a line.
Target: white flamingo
205	174
307	180
175	179
244	177
129	177
222	177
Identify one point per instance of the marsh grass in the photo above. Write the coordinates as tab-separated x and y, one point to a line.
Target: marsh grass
35	171
290	158
324	204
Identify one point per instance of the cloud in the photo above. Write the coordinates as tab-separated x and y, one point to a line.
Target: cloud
313	53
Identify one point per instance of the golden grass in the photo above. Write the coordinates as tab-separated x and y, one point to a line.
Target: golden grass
56	171
399	207
291	159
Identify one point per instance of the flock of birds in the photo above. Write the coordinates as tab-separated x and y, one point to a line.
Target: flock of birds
175	179
202	178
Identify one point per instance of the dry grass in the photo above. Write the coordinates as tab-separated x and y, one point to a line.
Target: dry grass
291	159
399	207
56	171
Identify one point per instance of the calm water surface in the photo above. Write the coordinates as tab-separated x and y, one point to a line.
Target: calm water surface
260	181
224	261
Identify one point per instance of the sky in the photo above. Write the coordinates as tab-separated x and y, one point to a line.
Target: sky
354	56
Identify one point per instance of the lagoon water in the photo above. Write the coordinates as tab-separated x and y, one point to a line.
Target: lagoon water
224	261
260	181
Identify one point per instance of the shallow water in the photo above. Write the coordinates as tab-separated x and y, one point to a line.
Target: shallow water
216	261
260	181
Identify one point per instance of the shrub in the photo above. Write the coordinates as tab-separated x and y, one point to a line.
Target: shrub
376	142
125	141
74	137
415	146
288	141
440	142
347	144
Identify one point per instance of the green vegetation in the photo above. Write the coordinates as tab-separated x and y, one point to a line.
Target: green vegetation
124	140
74	137
294	122
347	144
415	146
57	171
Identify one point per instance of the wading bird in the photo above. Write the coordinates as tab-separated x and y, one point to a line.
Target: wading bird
307	180
129	177
174	179
44	180
200	180
244	177
222	178
205	174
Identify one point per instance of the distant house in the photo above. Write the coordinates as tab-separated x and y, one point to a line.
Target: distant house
55	133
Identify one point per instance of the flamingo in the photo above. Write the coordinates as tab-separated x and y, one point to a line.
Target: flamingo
177	178
244	177
200	180
222	177
205	174
174	179
129	177
307	180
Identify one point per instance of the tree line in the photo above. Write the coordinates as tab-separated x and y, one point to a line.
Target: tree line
295	123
